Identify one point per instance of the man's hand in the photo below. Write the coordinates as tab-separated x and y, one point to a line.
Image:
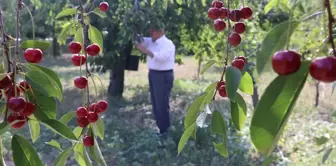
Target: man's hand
144	50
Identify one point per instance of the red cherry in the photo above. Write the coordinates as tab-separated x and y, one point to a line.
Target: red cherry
82	112
93	49
104	6
217	4
75	47
10	92
24	85
15	116
88	141
78	60
92	117
220	83
238	63
246	12
93	107
213	13
286	62
5	82
242	58
223	12
235	15
101	106
81	82
234	39
29	109
219	25
17	104
33	55
323	69
239	27
82	122
222	91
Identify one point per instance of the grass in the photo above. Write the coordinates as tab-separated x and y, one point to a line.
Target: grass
129	124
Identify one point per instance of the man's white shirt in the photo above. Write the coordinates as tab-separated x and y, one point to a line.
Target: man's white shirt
164	53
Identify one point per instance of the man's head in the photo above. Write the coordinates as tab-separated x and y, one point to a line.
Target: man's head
156	33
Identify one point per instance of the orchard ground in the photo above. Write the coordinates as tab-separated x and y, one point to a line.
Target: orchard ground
129	126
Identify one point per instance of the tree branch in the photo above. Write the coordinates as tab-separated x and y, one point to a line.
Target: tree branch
331	20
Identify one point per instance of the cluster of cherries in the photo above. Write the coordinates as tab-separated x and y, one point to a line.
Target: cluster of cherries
19	107
79	60
85	115
286	62
218	13
239	62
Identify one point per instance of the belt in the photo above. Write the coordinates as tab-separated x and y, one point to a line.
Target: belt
152	70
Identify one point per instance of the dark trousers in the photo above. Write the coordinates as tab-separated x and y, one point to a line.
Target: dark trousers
160	85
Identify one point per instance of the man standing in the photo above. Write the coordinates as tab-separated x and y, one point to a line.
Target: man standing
160	53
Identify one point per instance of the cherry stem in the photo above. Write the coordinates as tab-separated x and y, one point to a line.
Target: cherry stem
85	34
227	49
19	6
331	20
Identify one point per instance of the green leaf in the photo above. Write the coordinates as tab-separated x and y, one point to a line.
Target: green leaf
99	13
218	125
45	107
321	140
42	45
4	126
211	87
79	36
99	128
55	144
63	157
185	137
60	128
24	154
271	4
96	37
275	40
66	12
67	117
153	2
246	84
207	66
221	148
34	128
77	131
193	110
43	84
232	81
180	2
81	155
97	154
326	155
238	112
275	107
52	75
2	70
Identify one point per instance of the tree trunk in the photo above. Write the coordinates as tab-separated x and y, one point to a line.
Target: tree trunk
117	73
317	96
55	45
117	76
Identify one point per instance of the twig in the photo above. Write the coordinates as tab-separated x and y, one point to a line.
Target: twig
85	44
4	42
227	48
331	20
